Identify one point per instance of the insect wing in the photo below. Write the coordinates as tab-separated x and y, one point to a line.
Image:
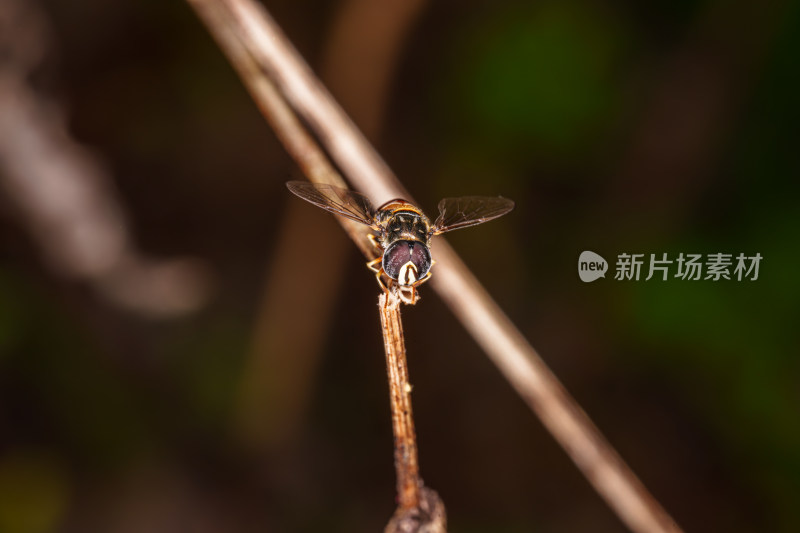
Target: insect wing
465	211
337	200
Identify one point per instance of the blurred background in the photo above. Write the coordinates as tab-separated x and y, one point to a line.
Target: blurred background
184	346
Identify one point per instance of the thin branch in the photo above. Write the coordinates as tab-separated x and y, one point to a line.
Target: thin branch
405	439
258	35
419	510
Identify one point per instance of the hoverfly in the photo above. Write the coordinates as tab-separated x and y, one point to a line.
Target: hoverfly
402	231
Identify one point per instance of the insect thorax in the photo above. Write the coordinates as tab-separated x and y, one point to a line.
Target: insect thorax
405	225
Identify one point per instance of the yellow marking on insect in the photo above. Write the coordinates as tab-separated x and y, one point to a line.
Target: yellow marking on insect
408	274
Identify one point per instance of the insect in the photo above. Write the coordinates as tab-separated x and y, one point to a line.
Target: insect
402	232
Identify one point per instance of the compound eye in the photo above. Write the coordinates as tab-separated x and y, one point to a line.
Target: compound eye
407	261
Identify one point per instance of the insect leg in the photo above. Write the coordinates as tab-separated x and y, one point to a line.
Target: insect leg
424	278
375	242
375	266
372	264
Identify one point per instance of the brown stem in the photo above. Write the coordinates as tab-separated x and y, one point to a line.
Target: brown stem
419	509
405	439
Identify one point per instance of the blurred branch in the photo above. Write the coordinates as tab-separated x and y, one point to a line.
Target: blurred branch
63	196
281	367
249	36
362	56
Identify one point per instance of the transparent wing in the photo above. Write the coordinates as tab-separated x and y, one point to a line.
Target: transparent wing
337	200
465	211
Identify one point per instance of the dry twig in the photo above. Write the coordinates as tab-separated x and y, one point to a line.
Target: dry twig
405	439
271	55
419	510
